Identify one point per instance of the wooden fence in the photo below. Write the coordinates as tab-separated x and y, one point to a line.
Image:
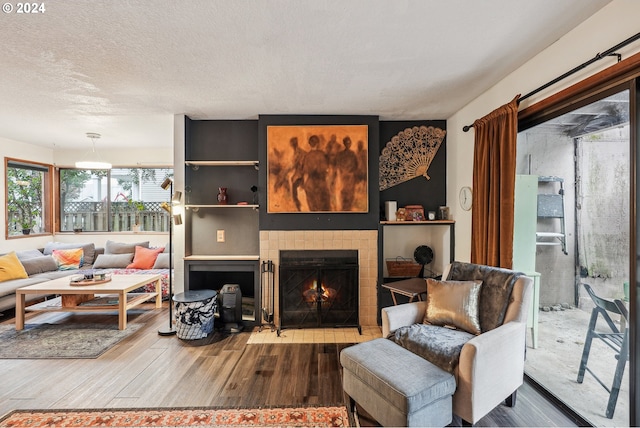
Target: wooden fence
93	217
119	221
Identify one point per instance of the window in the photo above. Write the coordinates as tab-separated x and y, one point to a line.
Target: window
120	199
28	188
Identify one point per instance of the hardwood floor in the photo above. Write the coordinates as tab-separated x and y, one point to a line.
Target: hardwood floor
147	370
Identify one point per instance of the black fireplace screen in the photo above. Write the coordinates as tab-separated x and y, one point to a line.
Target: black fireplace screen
319	288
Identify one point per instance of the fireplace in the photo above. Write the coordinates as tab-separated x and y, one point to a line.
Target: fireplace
318	288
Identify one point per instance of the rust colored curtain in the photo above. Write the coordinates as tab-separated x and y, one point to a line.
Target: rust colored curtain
494	176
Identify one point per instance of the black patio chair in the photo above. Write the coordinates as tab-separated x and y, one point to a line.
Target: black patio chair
614	338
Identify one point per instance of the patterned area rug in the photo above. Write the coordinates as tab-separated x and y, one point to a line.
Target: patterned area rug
264	417
61	340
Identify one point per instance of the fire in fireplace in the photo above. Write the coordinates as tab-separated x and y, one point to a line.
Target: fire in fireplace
323	295
318	288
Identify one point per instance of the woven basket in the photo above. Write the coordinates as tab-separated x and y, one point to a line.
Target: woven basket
402	267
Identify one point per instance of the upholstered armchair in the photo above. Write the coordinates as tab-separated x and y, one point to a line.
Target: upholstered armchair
490	365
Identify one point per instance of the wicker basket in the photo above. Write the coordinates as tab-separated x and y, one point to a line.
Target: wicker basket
403	267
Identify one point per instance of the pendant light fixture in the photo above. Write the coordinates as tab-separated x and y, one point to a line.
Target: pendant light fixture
93	160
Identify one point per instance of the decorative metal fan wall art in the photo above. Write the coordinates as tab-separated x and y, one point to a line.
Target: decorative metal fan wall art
409	154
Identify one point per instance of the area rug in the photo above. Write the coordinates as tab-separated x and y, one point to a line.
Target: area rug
67	340
336	416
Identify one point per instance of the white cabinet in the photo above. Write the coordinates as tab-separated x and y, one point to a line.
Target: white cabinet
524	241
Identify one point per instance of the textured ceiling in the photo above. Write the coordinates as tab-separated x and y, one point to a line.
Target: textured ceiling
124	68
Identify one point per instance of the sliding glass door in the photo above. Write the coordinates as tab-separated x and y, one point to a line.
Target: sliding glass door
581	159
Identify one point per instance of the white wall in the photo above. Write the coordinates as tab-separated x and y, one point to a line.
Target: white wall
178	184
614	23
129	157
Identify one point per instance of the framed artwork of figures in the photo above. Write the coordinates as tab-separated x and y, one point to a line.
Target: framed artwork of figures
317	168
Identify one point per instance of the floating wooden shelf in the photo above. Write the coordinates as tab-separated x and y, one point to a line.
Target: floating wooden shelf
410	223
196	164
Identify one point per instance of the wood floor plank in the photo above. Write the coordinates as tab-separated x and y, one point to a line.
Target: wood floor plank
305	382
211	380
328	370
236	383
148	370
281	386
168	370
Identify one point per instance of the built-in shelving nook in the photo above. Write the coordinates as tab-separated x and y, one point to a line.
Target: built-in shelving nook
222	240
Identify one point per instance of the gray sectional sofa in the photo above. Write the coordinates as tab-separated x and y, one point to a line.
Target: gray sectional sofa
114	258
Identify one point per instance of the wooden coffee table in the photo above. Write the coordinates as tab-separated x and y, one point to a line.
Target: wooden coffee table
71	296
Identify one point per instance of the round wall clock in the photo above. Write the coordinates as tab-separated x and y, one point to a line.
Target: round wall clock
466	198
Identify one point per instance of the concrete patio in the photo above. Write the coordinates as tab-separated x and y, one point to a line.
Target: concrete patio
556	361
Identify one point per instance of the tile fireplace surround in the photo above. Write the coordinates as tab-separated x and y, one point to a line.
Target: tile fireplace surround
365	241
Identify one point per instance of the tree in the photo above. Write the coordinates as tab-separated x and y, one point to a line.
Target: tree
136	176
72	182
24	195
137	206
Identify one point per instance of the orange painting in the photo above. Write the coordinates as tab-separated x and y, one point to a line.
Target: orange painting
318	168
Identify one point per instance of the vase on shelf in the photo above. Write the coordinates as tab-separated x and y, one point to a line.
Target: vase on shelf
223	198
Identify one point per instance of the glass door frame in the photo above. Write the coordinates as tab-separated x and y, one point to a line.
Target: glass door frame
623	75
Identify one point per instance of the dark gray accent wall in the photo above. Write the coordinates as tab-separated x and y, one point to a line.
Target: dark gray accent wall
430	193
221	140
246	140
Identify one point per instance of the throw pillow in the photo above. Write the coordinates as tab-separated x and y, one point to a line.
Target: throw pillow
88	249
497	285
40	264
108	261
162	262
28	254
68	259
454	303
144	258
11	268
122	248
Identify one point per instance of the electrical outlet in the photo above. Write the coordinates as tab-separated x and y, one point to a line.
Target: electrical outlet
220	236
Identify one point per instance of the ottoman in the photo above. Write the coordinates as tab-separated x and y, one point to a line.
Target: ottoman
396	386
195	311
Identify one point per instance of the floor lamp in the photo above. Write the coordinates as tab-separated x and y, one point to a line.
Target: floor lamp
177	220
